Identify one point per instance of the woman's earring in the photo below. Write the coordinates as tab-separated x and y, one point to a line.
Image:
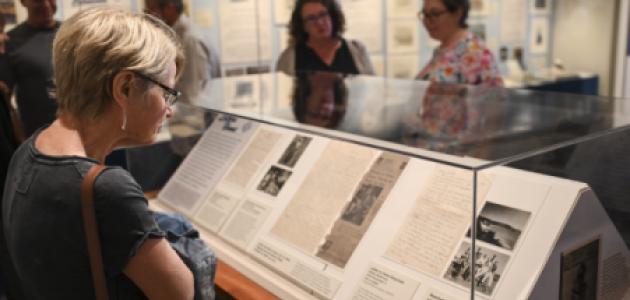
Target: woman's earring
124	122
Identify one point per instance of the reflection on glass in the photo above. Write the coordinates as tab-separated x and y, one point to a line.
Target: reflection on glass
319	99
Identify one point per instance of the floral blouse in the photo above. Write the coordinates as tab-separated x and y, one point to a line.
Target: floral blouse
470	62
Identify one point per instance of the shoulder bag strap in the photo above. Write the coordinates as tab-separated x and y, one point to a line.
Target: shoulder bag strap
91	232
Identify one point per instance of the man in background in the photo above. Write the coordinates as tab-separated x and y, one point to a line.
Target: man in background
26	66
202	62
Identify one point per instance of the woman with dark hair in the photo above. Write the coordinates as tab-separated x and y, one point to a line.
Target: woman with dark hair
316	44
320	99
462	56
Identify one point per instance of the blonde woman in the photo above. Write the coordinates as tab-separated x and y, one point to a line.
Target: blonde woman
114	72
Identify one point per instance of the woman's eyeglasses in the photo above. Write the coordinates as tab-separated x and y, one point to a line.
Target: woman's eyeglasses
312	19
430	15
170	95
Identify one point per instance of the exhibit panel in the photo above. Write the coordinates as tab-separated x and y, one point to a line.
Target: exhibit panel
341	187
304	215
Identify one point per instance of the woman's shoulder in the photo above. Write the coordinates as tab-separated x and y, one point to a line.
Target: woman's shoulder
355	44
472	43
115	181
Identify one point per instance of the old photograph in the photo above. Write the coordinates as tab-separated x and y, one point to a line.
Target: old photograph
500	225
274	180
579	266
489	266
294	151
361	203
357	215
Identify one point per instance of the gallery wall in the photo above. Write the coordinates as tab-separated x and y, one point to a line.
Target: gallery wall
250	34
584	38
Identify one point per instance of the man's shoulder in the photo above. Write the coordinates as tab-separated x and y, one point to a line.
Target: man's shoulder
19	30
23	32
186	29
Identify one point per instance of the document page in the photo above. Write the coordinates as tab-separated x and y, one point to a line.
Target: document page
252	158
219	205
245	31
206	163
322	195
438	221
242	228
358	214
365	23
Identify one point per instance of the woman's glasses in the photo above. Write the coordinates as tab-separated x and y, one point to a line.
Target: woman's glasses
170	95
430	15
312	19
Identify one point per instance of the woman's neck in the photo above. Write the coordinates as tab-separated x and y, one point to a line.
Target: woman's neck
322	43
451	40
72	136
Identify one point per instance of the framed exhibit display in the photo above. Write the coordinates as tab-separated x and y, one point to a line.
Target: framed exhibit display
539	36
364	187
540	6
402	8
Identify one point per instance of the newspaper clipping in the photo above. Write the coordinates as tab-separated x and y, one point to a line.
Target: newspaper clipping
322	195
252	158
358	214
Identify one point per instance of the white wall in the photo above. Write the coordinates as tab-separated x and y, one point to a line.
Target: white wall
584	37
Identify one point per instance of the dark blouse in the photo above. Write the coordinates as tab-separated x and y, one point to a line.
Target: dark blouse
307	60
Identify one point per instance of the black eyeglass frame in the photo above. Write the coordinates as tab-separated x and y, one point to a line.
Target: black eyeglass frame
431	15
174	94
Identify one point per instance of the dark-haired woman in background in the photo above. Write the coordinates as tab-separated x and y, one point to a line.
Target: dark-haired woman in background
462	56
320	99
316	43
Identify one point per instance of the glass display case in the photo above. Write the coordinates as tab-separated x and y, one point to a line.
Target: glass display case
339	187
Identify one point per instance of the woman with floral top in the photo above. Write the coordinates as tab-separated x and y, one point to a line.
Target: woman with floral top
461	57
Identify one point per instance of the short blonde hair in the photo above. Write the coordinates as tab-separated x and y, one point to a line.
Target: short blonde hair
93	45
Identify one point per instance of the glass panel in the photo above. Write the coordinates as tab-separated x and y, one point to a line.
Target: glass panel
467	135
482	126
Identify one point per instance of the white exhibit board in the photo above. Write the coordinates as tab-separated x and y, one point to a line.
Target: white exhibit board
311	217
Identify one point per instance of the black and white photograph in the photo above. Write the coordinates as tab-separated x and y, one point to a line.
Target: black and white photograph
361	203
294	151
500	225
578	279
489	266
274	180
